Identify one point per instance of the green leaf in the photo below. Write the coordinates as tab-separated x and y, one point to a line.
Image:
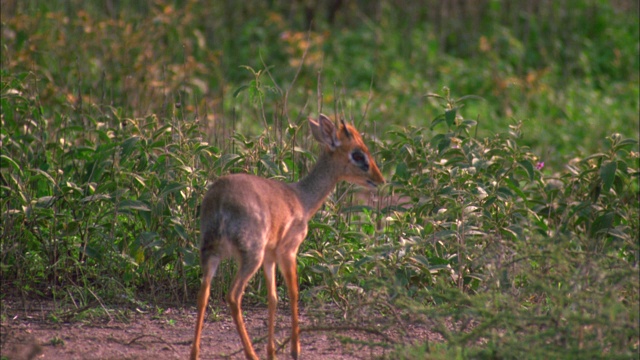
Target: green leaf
93	252
270	165
128	145
166	129
474	97
622	166
624	143
504	193
255	93
444	144
402	171
125	205
421	259
594	156
365	260
313	225
81	153
187	169
239	90
407	149
608	174
602	223
45	201
180	231
433	95
437	268
489	201
474	233
103	136
190	257
528	166
437	121
226	160
139	179
5	161
45	175
95	197
443	234
509	232
514	186
450	116
171	188
320	269
469	123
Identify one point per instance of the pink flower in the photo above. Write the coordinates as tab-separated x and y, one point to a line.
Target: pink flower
540	165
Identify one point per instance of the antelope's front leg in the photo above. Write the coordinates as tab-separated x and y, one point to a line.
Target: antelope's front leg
290	272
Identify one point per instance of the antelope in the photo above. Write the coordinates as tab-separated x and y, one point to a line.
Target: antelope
262	222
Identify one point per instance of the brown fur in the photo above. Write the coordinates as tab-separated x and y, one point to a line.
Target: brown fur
262	222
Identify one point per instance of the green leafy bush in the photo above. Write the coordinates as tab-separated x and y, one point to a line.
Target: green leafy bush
528	264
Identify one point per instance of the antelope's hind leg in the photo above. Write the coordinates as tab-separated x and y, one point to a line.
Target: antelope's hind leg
209	266
248	265
269	267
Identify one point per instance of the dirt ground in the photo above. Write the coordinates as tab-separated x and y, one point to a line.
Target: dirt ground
38	330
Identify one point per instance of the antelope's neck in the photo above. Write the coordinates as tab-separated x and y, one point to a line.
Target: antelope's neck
314	188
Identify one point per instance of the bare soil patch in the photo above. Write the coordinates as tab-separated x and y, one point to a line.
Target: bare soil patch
40	330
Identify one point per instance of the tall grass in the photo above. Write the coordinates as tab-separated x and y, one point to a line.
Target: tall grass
565	65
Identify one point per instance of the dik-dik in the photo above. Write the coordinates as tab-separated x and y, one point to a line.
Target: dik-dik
262	222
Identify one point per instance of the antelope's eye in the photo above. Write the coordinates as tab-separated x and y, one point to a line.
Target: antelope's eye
360	160
357	156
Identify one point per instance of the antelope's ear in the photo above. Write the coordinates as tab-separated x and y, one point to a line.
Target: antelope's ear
345	129
324	131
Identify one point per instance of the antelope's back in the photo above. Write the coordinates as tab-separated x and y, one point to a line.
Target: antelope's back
243	213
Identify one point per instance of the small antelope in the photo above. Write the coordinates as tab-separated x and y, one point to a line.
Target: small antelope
263	222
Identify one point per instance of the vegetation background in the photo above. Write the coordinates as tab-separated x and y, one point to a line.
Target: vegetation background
508	132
